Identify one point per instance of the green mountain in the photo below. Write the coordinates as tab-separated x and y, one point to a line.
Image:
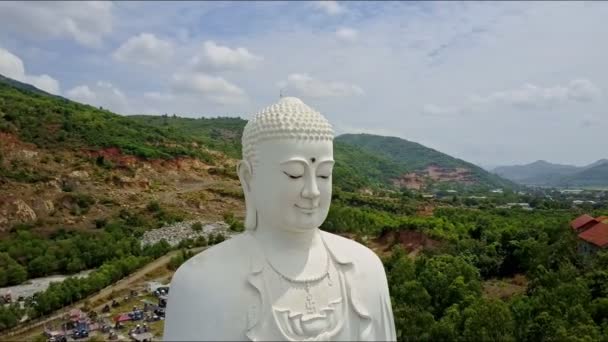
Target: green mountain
408	163
542	173
589	176
54	122
537	173
363	161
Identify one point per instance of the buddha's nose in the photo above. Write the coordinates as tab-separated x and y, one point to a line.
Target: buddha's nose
311	190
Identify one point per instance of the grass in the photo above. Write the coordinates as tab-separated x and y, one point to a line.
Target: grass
505	288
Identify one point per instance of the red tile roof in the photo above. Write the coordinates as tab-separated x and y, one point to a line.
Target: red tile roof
597	235
122	318
581	221
602	219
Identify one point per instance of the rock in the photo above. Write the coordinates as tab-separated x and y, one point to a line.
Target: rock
27	154
49	205
24	212
69	184
54	184
43	207
79	174
136	182
176	232
3	220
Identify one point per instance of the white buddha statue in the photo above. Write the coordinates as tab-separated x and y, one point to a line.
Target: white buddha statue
283	279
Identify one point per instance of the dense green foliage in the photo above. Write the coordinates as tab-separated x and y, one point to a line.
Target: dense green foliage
356	168
73	289
9	315
220	134
25	255
438	296
115	265
55	122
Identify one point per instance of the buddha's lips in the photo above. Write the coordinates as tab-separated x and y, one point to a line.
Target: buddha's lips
306	209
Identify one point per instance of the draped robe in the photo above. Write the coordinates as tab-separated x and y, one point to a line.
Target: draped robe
219	294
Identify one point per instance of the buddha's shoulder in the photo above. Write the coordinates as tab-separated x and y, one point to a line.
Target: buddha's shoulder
362	256
226	259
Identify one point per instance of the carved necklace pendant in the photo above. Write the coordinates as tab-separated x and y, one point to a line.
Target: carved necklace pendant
309	304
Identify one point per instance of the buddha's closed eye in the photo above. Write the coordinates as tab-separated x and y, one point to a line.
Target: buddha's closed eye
292	176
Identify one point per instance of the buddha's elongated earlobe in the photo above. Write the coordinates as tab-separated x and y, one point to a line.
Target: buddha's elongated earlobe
245	173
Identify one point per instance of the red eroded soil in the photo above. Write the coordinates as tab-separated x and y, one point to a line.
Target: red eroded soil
417	180
412	241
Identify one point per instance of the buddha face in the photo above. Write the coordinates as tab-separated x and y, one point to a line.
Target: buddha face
291	183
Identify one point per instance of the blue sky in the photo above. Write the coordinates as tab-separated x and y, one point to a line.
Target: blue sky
492	83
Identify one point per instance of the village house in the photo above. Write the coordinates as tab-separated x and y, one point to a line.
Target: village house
592	233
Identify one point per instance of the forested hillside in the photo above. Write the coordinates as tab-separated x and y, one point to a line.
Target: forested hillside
410	157
54	122
482	274
221	134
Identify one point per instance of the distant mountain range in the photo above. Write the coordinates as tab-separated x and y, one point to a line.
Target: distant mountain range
543	173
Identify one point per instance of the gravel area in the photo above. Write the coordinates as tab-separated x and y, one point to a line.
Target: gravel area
179	231
38	284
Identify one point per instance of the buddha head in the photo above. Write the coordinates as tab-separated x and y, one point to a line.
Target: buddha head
286	171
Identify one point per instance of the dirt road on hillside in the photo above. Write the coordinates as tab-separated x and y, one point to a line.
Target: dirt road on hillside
122	284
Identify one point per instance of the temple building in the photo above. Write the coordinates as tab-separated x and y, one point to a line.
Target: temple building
592	233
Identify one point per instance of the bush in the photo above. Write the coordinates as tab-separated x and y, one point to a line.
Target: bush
235	224
201	241
100	223
153	207
197	226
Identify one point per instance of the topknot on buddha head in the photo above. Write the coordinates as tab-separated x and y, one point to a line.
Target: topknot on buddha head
289	118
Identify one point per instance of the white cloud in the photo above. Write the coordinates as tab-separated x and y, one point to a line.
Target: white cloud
87	22
330	7
528	96
219	57
308	86
432	109
101	94
158	96
212	88
81	93
12	66
44	82
347	34
145	49
534	96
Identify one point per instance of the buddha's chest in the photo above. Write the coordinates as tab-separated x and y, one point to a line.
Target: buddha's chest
317	310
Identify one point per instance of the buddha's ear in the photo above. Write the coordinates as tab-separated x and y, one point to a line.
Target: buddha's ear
243	169
245	173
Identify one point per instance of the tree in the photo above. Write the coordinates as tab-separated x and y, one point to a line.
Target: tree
11	273
448	280
488	320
